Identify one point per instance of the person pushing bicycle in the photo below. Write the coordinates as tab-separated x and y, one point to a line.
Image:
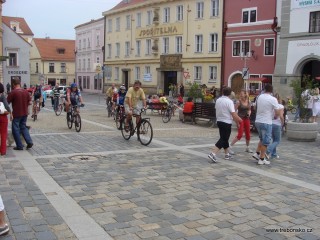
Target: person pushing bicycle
73	97
132	103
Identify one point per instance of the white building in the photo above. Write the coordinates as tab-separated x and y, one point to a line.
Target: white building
89	55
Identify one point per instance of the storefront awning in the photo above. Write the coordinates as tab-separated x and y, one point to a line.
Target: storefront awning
264	80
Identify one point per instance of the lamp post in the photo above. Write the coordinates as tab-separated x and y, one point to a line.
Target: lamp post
75	66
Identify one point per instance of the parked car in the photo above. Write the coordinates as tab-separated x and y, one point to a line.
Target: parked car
62	90
48	90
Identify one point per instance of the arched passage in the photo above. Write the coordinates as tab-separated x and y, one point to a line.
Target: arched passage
237	83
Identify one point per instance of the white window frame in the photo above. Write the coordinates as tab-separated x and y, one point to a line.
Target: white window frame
138	20
98	39
149	17
109	25
215	6
9	61
118	24
241	47
127	49
166	15
265	45
89	64
84	43
137	73
138	48
197	73
109	50
213	74
179	44
198	43
128	22
147	69
180	13
199	10
165	42
117	49
84	64
213	42
148	47
249	10
116	73
51	65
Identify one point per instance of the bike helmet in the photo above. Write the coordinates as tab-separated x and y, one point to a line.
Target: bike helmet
73	85
122	88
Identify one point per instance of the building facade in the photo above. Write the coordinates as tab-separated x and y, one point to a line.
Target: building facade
299	46
163	43
249	44
1	33
52	61
17	49
89	55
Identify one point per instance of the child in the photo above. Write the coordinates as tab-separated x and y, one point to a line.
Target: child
188	108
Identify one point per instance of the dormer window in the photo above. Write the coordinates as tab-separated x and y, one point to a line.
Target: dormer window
14	28
61	50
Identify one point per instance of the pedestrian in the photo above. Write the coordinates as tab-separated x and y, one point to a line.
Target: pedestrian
8	87
4	228
316	105
243	106
24	86
277	123
181	90
225	113
4	121
266	108
20	99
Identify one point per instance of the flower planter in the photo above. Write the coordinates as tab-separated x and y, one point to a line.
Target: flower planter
302	132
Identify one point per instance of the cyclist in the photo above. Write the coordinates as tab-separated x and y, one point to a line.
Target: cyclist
55	96
109	93
121	95
74	98
132	104
37	94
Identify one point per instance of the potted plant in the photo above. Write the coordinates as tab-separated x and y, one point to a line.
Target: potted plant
195	91
302	130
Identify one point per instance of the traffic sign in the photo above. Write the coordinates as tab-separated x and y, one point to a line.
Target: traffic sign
186	75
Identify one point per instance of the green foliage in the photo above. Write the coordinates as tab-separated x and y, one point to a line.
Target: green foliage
194	90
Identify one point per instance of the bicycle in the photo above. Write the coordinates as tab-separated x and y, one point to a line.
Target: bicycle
35	109
59	105
168	112
143	129
73	116
119	115
109	107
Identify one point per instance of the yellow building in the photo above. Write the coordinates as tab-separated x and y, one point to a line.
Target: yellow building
52	61
163	42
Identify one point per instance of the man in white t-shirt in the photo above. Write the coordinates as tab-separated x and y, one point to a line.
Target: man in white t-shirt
225	113
266	108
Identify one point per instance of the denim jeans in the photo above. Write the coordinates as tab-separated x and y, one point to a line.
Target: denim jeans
19	127
55	103
276	138
265	132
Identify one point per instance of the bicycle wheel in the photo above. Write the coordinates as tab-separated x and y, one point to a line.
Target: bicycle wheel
145	132
34	117
118	119
69	121
77	122
126	133
109	109
166	116
293	110
58	110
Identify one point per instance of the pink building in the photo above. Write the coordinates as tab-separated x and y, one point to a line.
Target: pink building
250	44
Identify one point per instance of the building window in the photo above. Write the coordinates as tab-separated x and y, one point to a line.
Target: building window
147	69
89	64
118	24
84	82
84	43
117	49
37	67
138	20
63	67
138	48
116	73
197	73
198	46
180	13
13	59
199	11
84	64
249	15
269	47
179	44
240	48
166	15
127	50
51	67
128	22
166	45
88	82
214	8
61	50
98	40
109	50
137	73
109	25
213	42
213	74
79	64
149	18
89	45
79	44
148	46
314	22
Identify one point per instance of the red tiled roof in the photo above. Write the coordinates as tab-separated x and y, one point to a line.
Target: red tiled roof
48	49
127	3
22	24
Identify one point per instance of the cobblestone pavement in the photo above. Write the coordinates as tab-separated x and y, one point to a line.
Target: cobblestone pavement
96	185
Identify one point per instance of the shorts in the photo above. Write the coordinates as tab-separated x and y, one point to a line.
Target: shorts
315	112
265	132
136	110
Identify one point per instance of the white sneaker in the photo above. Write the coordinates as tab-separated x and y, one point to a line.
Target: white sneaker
248	150
256	156
212	157
231	151
228	156
264	161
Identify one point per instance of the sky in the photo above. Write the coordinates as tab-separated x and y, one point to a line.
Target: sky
56	18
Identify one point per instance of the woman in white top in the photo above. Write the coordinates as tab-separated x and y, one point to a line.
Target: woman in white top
315	105
277	124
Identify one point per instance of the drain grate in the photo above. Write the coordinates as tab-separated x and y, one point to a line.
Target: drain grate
83	158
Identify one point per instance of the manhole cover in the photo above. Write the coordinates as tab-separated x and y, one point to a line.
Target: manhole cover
83	158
